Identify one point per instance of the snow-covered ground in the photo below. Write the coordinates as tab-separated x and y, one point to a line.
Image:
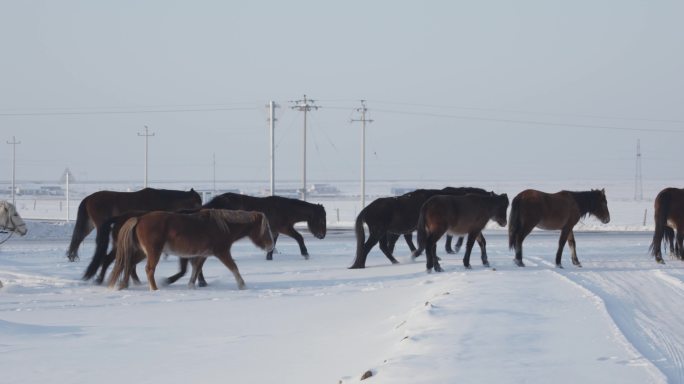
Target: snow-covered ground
618	319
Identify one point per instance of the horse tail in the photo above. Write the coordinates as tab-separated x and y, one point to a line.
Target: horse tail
514	223
101	245
421	235
126	247
81	230
265	232
662	208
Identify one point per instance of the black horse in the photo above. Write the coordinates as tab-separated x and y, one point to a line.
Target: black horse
389	217
669	217
282	214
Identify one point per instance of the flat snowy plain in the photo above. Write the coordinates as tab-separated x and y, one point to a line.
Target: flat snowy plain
618	319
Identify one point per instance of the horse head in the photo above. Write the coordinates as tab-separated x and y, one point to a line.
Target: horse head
317	223
600	206
501	208
10	219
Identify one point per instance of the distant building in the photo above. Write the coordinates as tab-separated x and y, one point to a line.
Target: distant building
323	190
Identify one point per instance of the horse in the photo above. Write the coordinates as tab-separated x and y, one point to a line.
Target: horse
282	214
389	217
669	218
467	214
561	210
100	206
10	222
204	233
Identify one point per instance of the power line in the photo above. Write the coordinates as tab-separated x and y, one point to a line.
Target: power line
530	122
124	112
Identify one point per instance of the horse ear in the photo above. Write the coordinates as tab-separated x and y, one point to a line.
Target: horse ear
192	189
603	191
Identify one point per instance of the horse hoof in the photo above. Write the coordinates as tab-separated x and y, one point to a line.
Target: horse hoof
485	264
467	266
559	266
439	269
242	287
203	284
191	285
518	262
306	257
429	270
661	261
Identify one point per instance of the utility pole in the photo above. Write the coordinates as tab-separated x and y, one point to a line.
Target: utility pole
305	105
146	135
638	178
271	126
214	177
14	143
67	195
363	121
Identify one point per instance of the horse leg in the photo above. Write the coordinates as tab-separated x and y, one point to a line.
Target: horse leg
680	241
472	237
573	248
111	256
447	245
459	244
520	237
183	268
197	263
373	238
561	243
385	248
409	241
152	261
269	255
391	240
300	240
435	258
228	261
429	259
483	249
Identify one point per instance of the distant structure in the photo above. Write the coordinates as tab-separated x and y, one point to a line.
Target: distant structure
638	177
66	172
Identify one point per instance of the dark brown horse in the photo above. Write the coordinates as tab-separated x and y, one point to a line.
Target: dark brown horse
204	233
561	210
96	208
389	217
282	214
466	214
669	218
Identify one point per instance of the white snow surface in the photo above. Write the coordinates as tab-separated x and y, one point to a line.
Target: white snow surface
617	319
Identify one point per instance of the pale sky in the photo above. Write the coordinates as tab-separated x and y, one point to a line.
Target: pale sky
459	90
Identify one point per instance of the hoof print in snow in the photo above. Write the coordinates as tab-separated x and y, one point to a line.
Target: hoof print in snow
366	374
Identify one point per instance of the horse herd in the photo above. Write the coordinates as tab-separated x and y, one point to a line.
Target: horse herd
145	224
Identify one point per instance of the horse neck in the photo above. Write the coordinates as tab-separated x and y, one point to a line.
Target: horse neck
584	200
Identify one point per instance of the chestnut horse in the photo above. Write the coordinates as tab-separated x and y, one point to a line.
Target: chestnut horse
669	218
282	214
100	206
466	214
561	210
206	232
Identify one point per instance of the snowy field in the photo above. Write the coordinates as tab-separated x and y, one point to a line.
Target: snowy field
619	319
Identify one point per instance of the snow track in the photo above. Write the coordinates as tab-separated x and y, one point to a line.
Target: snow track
618	319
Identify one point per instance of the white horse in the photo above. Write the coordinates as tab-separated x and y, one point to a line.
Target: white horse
10	222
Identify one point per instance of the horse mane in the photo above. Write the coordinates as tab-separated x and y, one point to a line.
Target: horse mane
586	200
222	217
171	192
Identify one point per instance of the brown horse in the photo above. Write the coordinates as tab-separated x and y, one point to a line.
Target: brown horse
100	206
207	232
282	214
669	213
466	214
561	210
389	217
